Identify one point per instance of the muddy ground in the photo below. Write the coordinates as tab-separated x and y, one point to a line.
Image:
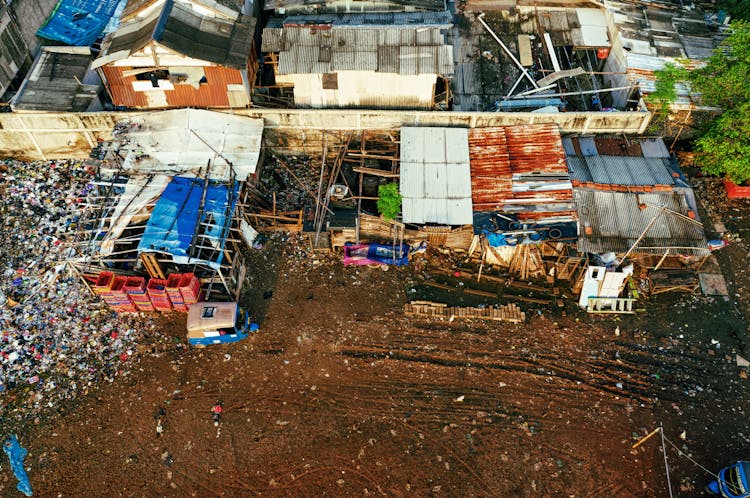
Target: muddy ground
340	394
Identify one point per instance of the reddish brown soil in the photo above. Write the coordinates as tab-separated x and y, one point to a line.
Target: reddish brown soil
339	394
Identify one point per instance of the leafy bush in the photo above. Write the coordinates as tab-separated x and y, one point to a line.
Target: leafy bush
389	201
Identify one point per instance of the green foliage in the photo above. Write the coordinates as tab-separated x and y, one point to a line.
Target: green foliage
738	9
389	201
724	149
666	79
723	81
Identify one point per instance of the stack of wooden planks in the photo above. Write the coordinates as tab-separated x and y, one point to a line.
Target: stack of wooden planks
505	313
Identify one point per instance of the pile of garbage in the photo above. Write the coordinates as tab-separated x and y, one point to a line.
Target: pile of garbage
56	338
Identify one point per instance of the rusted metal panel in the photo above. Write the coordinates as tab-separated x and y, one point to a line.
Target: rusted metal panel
514	164
213	93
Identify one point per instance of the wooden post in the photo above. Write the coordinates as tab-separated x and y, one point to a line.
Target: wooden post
661	260
643	440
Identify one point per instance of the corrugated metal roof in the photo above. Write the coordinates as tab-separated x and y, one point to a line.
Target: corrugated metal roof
520	169
616	222
405	43
345	6
435	180
181	28
621	170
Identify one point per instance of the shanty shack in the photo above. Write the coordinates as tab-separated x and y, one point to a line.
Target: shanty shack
180	54
376	60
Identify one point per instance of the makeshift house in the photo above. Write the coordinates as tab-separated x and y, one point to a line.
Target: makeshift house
522	196
380	60
291	7
620	186
60	80
168	199
180	54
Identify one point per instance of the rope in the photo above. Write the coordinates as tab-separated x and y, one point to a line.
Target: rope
683	454
666	465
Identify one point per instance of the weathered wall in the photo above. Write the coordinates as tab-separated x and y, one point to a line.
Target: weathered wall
33	136
19	22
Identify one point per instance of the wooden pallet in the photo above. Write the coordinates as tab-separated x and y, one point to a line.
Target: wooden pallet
152	266
505	313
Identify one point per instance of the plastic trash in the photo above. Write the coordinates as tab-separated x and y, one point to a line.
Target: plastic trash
16	454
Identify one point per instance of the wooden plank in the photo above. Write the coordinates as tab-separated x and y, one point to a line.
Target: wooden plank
526	299
375	172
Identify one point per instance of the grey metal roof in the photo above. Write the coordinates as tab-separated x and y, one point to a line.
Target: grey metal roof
443	19
346	4
616	222
435	181
620	170
221	41
407	49
182	29
57	81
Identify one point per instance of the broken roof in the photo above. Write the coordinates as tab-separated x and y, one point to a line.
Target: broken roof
613	221
567	27
58	81
184	141
180	27
520	170
400	43
655	34
435	181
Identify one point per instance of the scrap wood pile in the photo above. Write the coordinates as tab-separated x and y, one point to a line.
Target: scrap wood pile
506	313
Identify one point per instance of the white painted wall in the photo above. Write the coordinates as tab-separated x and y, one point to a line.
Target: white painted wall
363	89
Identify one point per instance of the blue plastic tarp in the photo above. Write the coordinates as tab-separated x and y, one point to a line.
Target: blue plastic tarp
16	454
171	229
78	22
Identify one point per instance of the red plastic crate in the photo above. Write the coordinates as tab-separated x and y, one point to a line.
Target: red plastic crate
104	282
135	285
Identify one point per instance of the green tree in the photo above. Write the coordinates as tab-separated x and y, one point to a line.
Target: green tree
389	200
667	80
723	81
724	150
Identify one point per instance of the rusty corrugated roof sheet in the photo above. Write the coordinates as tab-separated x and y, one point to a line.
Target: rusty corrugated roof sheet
520	170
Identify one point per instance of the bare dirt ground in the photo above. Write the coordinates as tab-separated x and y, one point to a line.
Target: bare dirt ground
340	394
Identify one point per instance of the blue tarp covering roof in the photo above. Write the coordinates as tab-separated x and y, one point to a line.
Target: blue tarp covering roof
173	226
78	22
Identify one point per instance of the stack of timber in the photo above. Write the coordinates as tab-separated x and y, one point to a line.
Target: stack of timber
504	313
527	262
375	228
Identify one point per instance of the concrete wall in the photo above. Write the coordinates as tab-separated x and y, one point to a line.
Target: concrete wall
32	136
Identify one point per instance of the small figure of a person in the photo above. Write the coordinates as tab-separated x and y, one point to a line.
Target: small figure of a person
216	413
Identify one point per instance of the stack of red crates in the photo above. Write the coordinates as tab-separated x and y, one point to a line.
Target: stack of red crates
117	298
136	290
157	292
190	288
173	291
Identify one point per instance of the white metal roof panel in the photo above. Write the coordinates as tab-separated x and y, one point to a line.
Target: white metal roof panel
435	175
